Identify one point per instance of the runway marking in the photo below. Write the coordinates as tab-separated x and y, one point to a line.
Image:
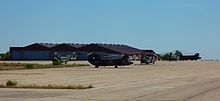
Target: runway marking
21	73
88	100
123	84
158	88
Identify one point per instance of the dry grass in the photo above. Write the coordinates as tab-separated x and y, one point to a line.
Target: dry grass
18	66
49	86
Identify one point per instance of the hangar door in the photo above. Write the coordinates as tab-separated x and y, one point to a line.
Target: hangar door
36	55
16	55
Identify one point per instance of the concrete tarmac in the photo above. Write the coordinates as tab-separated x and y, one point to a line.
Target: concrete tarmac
163	81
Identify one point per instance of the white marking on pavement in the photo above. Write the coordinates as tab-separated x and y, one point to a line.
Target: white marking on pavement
158	88
123	84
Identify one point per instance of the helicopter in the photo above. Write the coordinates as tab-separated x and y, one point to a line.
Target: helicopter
106	59
177	55
148	58
60	57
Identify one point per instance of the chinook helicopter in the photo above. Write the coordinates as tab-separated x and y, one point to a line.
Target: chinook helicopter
105	59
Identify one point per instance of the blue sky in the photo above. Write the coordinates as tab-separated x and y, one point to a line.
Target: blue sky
163	25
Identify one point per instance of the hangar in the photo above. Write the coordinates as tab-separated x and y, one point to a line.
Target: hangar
133	53
45	51
36	51
42	51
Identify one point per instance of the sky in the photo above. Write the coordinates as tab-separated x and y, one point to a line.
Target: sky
190	26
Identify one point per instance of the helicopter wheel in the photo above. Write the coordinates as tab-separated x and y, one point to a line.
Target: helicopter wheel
116	66
96	66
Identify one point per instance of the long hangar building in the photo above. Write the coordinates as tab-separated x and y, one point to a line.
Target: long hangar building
45	51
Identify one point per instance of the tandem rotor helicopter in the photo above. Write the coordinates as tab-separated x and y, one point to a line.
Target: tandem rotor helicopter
105	59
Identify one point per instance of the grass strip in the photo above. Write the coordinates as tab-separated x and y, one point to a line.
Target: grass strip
18	66
49	86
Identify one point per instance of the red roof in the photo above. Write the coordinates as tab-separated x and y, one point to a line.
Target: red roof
48	45
122	48
111	48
